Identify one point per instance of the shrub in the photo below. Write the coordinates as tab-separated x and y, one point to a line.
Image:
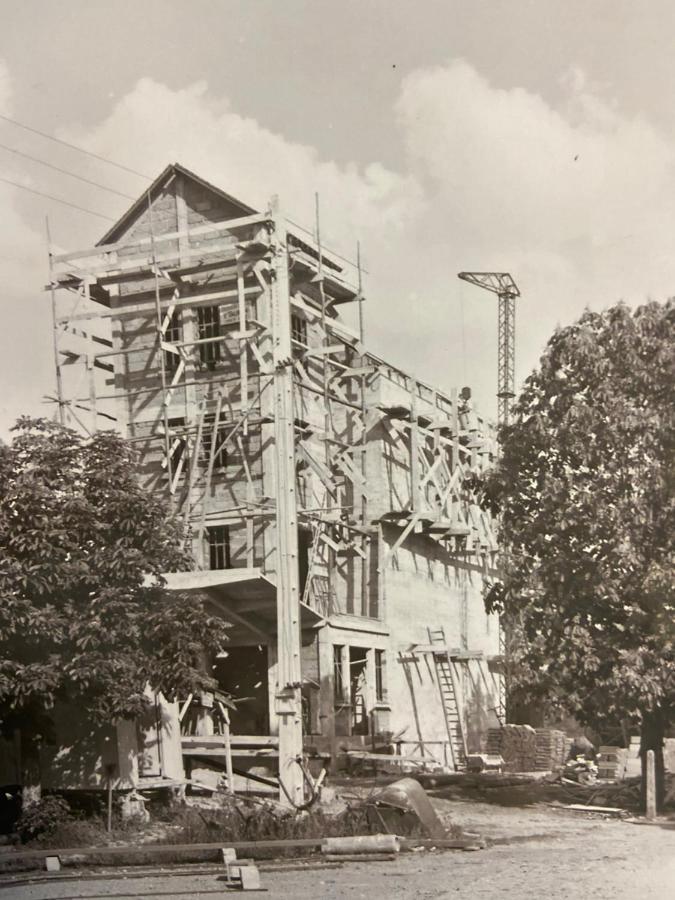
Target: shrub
42	819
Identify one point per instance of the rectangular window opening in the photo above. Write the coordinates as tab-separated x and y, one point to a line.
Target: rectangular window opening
298	334
358	689
380	683
338	674
177	443
220	451
208	328
173	334
219	547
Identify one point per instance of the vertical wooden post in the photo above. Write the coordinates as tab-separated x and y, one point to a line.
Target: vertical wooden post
288	701
650	794
55	331
415	474
346	672
110	802
228	749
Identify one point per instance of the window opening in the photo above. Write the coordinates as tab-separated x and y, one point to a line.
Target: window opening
338	674
298	334
173	335
380	689
219	547
220	458
358	689
208	326
177	443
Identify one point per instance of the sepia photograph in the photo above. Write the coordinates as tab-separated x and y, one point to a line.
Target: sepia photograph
337	449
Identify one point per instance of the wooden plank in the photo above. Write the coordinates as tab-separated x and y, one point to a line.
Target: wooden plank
163	848
236	617
106	249
323	351
402	536
321	470
237	740
222	752
184	708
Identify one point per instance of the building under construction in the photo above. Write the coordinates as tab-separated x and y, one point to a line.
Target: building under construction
325	493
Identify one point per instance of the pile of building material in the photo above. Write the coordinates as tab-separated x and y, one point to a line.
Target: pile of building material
551	749
612	763
516	744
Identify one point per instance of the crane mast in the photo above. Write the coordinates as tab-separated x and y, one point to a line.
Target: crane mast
503	285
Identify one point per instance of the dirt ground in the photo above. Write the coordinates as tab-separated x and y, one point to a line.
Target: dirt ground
534	852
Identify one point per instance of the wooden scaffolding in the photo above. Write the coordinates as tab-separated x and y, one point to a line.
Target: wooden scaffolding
278	386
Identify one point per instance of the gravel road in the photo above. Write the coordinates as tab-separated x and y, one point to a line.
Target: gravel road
535	852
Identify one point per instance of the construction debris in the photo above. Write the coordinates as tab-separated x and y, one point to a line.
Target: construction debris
598	810
409	798
240	874
612	763
361	845
582	770
484	762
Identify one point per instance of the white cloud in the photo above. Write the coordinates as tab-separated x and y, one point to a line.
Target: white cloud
154	125
25	350
5	89
524	173
575	200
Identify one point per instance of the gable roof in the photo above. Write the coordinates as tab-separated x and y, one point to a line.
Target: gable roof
170	171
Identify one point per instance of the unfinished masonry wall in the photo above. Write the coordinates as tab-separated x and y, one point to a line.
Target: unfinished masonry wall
425	588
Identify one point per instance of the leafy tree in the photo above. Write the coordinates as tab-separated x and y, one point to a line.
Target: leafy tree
78	621
584	487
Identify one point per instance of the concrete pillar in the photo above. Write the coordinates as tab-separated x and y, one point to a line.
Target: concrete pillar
650	795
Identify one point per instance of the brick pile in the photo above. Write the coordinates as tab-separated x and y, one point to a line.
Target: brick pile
551	749
612	763
516	744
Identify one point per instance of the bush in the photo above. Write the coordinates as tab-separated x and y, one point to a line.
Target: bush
42	819
76	832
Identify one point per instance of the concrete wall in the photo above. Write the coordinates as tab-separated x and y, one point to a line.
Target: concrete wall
426	588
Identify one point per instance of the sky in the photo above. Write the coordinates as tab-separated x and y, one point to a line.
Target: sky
536	138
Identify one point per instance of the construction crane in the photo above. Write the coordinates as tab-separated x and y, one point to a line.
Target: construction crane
501	284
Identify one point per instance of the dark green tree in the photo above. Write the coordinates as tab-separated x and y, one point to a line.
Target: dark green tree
78	622
584	488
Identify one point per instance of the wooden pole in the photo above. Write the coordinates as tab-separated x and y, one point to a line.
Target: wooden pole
110	800
57	361
288	706
159	338
228	747
650	795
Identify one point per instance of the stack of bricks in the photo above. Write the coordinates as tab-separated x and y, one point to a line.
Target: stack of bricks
516	744
612	763
551	749
494	742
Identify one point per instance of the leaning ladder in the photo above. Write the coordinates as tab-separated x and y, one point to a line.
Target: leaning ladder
449	688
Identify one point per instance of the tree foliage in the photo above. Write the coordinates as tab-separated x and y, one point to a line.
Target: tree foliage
78	623
584	488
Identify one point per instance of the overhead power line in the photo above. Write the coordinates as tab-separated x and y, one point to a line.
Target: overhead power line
56	140
91	212
49	165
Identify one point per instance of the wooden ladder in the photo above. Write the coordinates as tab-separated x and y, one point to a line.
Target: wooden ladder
449	688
